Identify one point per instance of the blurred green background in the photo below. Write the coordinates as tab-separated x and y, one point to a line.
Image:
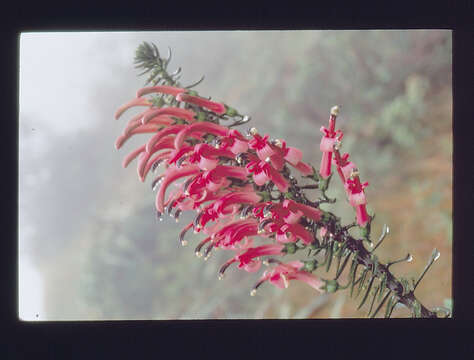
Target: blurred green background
87	226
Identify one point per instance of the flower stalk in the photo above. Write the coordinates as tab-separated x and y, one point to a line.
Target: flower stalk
241	188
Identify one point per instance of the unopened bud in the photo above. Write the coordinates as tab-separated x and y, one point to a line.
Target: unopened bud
310	265
331	286
290	248
335	110
253	131
184	242
253	292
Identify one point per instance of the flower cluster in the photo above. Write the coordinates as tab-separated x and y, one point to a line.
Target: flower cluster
331	143
245	199
229	179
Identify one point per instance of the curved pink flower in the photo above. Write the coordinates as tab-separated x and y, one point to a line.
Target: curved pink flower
164	89
207	156
130	104
261	146
308	211
187	115
171	130
144	129
136	122
237	197
262	172
144	158
327	144
357	198
172	174
206	127
216	107
248	256
131	156
281	274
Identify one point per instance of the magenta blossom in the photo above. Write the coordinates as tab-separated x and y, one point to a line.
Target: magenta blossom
130	104
248	256
281	275
163	89
218	108
357	198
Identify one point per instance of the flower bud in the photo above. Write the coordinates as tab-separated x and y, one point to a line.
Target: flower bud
331	286
310	265
290	248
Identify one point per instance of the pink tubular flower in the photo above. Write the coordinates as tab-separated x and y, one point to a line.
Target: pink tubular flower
130	157
308	211
207	156
234	232
187	115
157	158
237	197
144	129
327	144
357	198
136	122
248	256
261	146
172	174
144	158
281	274
164	89
263	172
216	107
132	103
171	130
206	127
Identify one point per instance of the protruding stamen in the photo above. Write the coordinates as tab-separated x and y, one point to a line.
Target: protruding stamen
197	219
156	182
183	233
180	161
169	208
253	131
261	225
176	215
285	280
354	173
156	164
207	253
223	269
221	276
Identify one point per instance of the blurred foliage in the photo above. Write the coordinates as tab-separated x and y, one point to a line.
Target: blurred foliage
394	89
